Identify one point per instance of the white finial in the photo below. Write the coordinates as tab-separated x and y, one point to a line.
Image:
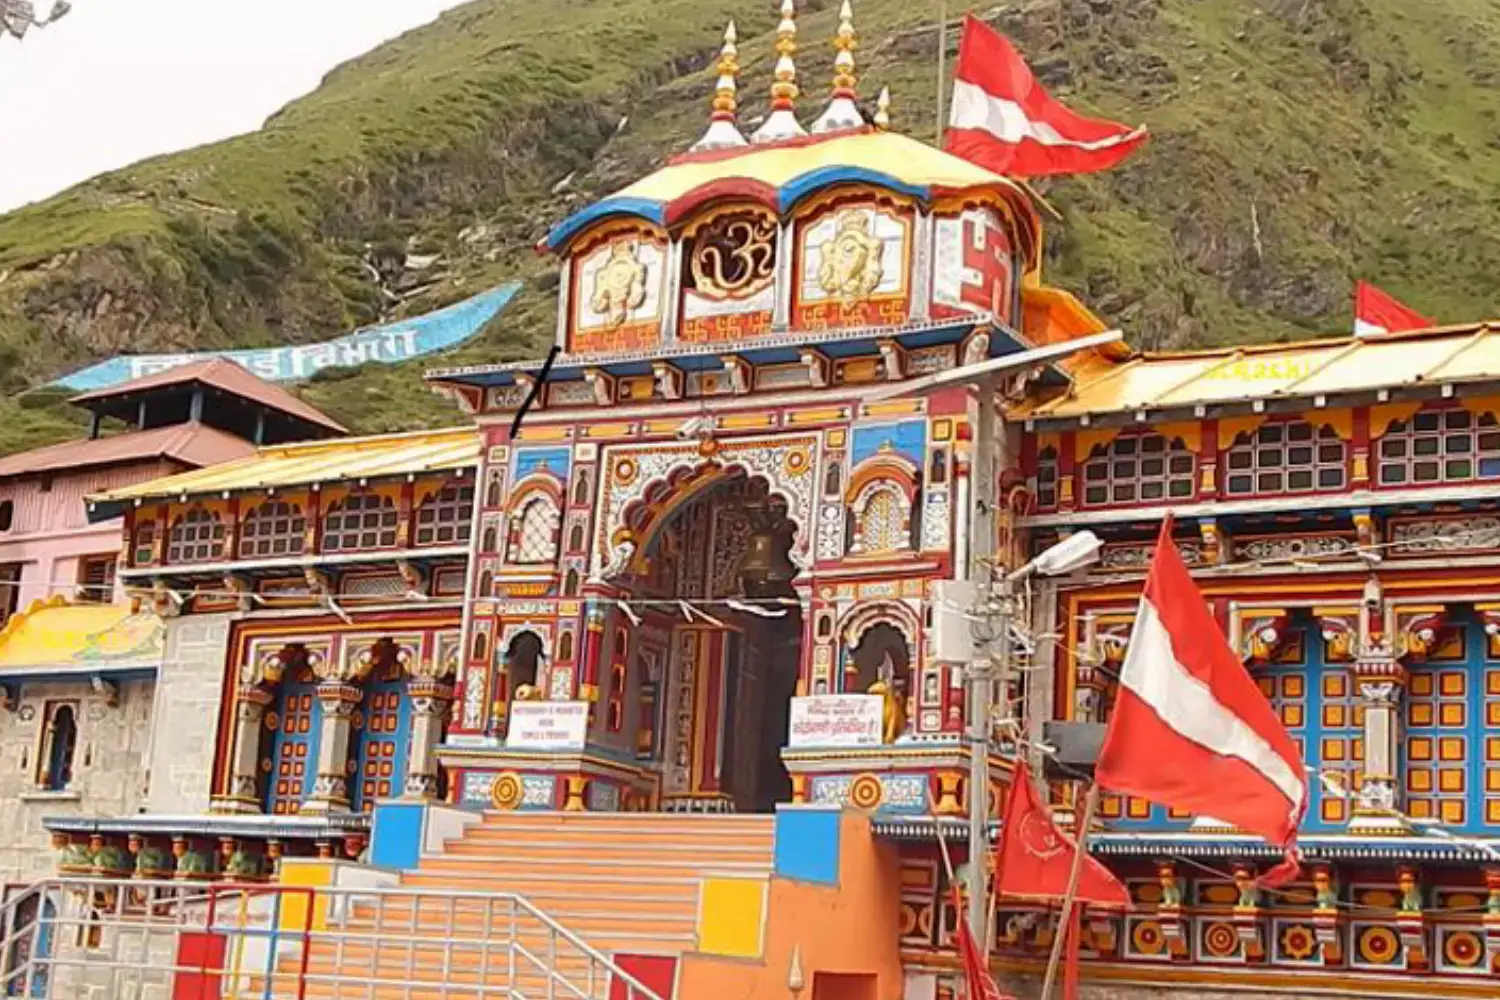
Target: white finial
842	112
883	109
782	122
722	132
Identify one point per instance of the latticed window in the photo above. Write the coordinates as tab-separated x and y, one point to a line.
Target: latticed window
197	536
1448	446
360	521
144	549
1291	457
447	517
882	527
1045	486
275	528
536	536
1138	469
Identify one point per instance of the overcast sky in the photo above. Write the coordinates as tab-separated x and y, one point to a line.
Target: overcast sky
116	81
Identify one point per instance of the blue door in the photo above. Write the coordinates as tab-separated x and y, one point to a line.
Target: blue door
294	748
384	729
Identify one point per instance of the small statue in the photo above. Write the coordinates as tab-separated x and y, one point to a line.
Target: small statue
892	711
620	285
1411	893
851	265
528	692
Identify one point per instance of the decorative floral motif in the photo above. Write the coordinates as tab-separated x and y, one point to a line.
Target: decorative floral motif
1463	949
1292	547
1378	946
1298	942
537	791
1221	940
1460	534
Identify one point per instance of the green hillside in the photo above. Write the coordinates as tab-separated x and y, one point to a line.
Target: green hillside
1297	144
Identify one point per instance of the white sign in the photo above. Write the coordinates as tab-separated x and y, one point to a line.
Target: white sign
554	725
836	720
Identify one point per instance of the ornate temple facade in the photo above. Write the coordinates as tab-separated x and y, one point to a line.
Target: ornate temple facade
697	562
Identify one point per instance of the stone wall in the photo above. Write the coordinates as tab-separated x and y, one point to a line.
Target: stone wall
109	767
187	714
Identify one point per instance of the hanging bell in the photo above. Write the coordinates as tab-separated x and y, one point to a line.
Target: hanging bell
766	569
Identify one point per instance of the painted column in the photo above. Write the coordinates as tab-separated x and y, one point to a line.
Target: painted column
244	763
1379	678
593	650
331	790
430	698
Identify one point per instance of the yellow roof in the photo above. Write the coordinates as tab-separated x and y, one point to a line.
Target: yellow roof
318	462
1302	370
901	157
57	635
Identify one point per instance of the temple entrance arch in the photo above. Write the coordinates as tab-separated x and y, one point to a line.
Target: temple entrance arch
707	580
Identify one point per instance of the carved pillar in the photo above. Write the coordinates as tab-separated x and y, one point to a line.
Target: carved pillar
1379	678
331	790
430	698
244	762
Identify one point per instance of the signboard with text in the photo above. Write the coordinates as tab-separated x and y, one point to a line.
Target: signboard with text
554	725
836	720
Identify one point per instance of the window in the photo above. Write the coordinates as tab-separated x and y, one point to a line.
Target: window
1045	486
360	521
144	550
492	493
882	524
1142	468
59	740
1288	457
7	514
10	590
197	536
275	528
575	539
96	579
447	517
491	540
1446	446
486	584
536	535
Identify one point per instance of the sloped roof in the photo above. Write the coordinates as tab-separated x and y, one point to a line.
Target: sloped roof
1452	355
310	462
191	443
55	635
224	375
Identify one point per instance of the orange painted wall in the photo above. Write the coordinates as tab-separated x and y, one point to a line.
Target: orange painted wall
851	927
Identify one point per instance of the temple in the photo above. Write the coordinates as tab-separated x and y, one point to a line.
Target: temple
700	577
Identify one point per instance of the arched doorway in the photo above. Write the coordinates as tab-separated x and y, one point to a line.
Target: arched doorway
713	578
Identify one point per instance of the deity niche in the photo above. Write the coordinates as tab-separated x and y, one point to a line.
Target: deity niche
620	285
734	256
851	266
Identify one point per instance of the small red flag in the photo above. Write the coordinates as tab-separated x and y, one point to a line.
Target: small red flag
981	985
1002	119
1377	312
1190	729
1036	860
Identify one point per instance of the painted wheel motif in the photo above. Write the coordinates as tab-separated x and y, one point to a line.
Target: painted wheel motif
625	471
908	919
1147	938
1221	941
1378	945
796	462
272	721
506	792
1298	942
1463	949
866	792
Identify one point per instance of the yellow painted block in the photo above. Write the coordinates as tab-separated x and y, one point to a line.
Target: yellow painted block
748	420
607	431
545	432
824	416
732	917
897	408
310	873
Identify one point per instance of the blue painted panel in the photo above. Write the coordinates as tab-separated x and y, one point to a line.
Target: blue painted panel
380	763
646	208
396	834
801	186
400	341
807	844
1444	758
908	438
294	748
530	460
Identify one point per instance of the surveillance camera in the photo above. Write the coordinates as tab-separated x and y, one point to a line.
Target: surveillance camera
694	427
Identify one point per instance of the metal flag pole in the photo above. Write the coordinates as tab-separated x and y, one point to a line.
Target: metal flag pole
1064	920
942	55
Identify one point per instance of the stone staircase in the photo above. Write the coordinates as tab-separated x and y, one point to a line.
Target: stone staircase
626	883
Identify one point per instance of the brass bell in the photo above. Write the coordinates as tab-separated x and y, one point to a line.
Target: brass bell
766	569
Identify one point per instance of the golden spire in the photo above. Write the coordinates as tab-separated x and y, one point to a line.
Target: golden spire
883	109
722	131
782	122
842	112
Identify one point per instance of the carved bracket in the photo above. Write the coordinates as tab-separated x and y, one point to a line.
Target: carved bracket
894	356
1215	541
1418	631
603	385
819	368
739	373
669	380
1340	630
1263	634
240	587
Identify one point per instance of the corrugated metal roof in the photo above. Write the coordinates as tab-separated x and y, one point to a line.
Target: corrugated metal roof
318	462
1446	355
223	374
191	443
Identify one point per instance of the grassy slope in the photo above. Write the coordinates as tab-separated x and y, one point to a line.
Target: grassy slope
1297	144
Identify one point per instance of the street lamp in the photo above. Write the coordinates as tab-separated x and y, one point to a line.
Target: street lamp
1072	553
17	16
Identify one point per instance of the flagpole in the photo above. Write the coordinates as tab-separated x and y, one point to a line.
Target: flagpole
942	55
1064	919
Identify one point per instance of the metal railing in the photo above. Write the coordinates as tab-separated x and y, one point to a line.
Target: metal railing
131	939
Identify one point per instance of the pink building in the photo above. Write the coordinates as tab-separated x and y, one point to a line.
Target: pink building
155	426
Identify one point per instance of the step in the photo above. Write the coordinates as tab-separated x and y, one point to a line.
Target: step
466	926
554	903
471	864
552	848
577	835
524	884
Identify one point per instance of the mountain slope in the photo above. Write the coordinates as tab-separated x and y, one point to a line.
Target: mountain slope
1296	145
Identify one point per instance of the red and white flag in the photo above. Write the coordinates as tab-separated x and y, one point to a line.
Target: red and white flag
1003	120
979	983
1035	860
1191	730
1377	312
